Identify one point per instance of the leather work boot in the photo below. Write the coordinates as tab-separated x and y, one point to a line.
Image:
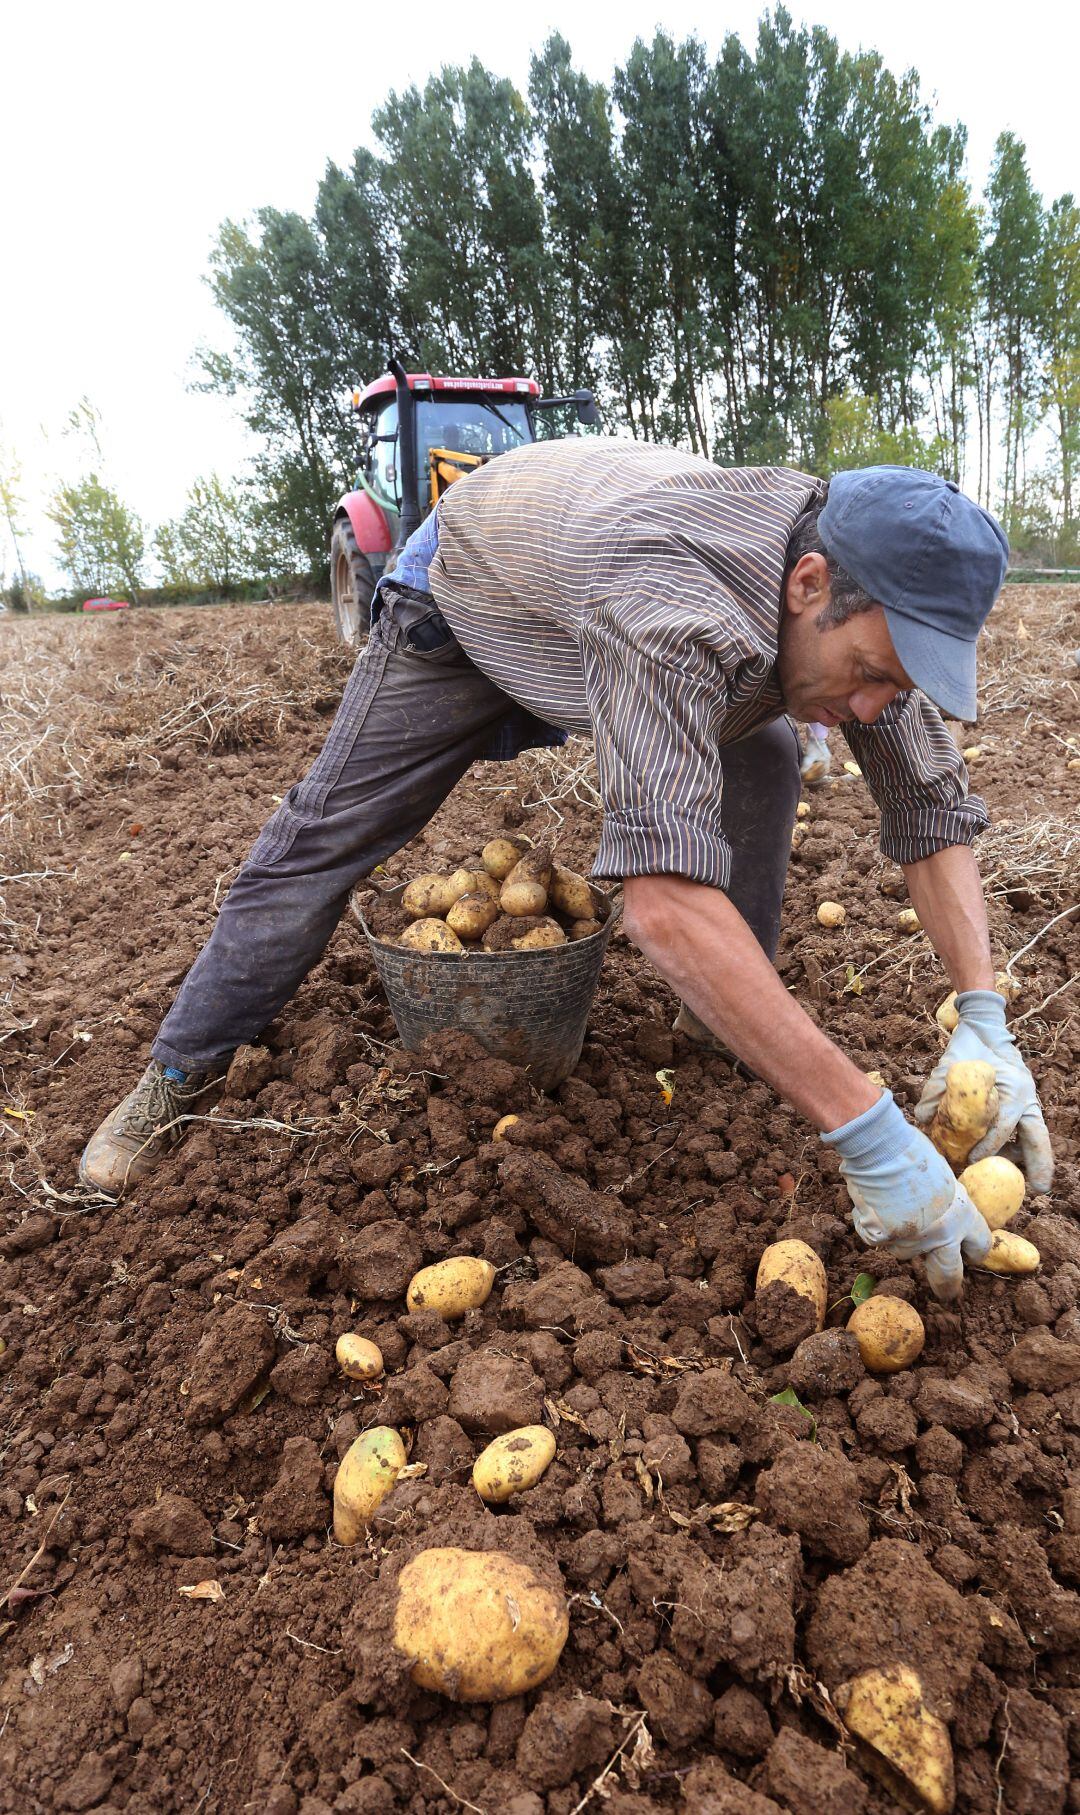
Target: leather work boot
140	1131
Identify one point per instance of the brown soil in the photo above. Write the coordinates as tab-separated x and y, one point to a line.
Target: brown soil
170	1410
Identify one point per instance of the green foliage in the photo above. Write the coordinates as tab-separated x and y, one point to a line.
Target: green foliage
101	544
856	436
790	1397
214	543
862	1288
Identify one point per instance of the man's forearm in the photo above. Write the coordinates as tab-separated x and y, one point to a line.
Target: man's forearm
703	947
947	894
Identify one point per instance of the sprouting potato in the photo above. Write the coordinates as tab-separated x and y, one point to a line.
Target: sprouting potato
909	1746
831	914
477	1626
996	1188
794	1264
525	891
512	1463
428	897
471	915
430	936
1010	1253
503	1125
451	1287
967	1110
500	855
890	1333
369	1468
358	1358
571	894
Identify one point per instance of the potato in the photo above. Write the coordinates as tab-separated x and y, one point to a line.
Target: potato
512	1463
831	913
471	915
477	1626
967	1110
795	1264
451	1287
1011	1254
358	1358
512	934
525	891
1007	986
539	937
996	1188
501	854
583	929
947	1015
505	1122
972	753
430	936
910	1748
802	811
369	1468
462	882
908	921
483	884
428	897
890	1333
571	894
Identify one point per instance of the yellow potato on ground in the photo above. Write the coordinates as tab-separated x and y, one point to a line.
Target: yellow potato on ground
831	914
477	1626
500	855
428	897
967	1111
852	768
972	753
890	1333
512	1463
369	1468
947	1015
794	1264
571	894
908	921
802	811
909	1747
471	915
996	1188
1010	1253
430	936
505	1122
525	891
451	1287
358	1358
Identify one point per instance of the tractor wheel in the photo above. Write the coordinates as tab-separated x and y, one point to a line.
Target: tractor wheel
352	584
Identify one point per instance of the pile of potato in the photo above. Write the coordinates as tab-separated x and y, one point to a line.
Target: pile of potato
995	1186
521	900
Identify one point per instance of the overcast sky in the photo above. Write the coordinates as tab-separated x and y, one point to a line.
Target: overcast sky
129	132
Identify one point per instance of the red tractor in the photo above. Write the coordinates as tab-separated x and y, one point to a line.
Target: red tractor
420	434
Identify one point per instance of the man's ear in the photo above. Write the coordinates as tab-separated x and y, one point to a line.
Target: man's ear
807	584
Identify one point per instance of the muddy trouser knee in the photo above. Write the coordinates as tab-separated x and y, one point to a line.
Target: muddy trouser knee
761	793
412	720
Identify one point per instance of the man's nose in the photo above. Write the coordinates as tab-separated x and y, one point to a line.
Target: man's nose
868	703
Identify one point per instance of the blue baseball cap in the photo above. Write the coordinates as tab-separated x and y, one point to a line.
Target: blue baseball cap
935	560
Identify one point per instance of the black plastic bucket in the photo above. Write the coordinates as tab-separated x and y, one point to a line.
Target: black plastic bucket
530	1008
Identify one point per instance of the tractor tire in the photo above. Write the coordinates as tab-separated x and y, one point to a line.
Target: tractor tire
352	585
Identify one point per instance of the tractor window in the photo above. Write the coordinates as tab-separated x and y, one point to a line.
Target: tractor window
470	425
381	459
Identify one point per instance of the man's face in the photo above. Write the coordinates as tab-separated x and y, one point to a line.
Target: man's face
850	671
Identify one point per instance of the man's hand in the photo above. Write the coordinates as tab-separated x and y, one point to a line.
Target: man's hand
906	1198
981	1033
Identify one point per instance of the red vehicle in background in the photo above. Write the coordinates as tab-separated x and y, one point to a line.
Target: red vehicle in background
106	605
420	435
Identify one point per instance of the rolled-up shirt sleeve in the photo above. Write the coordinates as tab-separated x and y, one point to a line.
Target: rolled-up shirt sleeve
656	710
918	779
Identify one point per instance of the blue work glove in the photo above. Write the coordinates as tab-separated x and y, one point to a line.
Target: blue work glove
981	1033
906	1198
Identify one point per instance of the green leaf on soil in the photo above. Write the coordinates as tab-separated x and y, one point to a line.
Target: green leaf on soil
790	1397
863	1287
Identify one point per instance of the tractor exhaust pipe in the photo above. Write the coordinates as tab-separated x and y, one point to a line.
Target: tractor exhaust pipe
409	477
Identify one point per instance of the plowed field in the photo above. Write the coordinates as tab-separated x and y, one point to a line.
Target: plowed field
170	1410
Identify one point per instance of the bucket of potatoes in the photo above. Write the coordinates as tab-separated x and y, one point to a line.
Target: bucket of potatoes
507	948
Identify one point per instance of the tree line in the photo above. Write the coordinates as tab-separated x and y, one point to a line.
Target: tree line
770	255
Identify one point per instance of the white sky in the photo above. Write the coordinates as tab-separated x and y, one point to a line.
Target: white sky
129	132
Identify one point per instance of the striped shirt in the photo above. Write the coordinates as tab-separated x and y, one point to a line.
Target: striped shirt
633	592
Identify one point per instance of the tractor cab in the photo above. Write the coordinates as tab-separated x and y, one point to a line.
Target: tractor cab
419	435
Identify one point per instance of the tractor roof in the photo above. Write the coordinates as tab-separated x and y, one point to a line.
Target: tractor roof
428	385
